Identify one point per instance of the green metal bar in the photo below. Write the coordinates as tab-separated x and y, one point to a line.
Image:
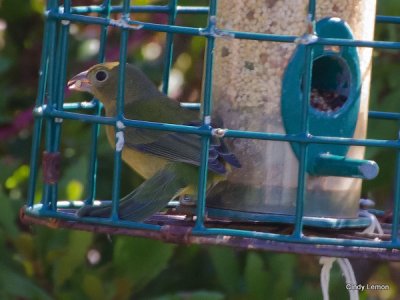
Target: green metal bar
142	9
358	43
384	115
61	72
52	81
371	114
106	9
388	19
135	25
396	206
299	138
60	75
190	105
130	25
206	113
120	112
37	128
311	9
312	139
301	176
34	166
92	172
335	165
80	117
80	105
303	239
300	193
169	46
40	109
37	211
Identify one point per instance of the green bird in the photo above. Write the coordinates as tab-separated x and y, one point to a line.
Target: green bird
168	161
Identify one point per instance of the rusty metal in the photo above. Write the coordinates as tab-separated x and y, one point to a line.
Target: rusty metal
179	231
51	167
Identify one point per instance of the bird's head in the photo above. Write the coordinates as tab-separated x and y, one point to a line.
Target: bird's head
102	82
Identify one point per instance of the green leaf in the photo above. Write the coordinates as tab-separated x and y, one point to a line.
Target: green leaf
93	287
73	178
197	295
256	277
5	64
19	175
74	190
226	265
73	256
141	259
282	266
7	216
7	168
15	285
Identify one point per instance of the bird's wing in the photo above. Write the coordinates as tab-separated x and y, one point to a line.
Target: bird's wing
174	146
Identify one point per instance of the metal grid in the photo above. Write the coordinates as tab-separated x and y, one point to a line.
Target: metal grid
52	78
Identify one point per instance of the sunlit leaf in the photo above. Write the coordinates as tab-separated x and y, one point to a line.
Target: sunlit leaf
19	175
74	190
73	178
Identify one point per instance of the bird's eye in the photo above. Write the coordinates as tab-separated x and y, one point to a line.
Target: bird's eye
101	76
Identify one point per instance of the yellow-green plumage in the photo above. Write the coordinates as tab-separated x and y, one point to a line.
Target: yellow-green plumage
169	161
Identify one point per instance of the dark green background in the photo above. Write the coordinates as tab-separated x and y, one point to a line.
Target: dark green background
42	263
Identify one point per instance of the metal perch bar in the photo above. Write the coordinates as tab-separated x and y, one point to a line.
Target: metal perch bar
182	234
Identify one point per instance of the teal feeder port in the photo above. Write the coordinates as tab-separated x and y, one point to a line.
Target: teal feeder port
320	171
333	104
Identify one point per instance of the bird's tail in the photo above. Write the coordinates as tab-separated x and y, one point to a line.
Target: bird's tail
150	197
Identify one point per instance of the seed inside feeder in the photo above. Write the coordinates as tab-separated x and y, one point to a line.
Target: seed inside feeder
331	81
326	101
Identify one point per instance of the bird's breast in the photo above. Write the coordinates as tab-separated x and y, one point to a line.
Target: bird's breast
146	165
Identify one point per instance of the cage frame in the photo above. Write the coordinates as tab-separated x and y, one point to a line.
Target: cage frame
52	76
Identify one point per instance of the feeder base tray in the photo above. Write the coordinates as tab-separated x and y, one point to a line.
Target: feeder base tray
317	222
174	228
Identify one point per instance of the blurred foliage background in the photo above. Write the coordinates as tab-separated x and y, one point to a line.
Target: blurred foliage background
42	263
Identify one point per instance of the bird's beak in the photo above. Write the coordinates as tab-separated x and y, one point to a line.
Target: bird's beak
80	82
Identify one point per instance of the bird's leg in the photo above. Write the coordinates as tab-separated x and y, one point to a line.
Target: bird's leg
186	199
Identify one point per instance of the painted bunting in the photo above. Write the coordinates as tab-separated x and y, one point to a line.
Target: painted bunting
167	160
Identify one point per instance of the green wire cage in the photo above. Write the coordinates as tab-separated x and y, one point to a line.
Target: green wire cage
319	148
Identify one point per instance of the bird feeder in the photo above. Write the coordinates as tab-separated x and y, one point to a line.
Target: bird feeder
261	86
289	79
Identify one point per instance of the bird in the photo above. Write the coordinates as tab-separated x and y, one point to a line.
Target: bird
168	161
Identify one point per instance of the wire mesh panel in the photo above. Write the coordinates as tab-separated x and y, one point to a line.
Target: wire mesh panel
206	224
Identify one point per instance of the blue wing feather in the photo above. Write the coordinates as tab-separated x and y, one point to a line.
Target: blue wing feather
182	147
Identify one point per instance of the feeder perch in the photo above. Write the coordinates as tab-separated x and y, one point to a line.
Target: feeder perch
289	79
